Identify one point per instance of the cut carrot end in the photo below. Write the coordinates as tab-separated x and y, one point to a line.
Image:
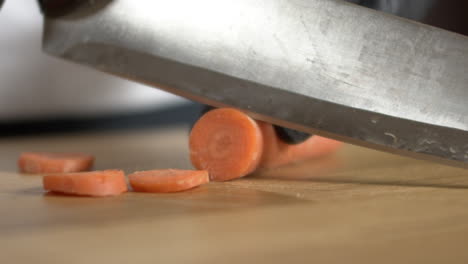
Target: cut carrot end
93	183
227	143
49	162
170	180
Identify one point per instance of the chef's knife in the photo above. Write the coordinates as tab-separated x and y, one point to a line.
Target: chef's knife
322	66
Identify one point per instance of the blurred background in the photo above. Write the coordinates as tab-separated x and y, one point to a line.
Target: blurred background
42	94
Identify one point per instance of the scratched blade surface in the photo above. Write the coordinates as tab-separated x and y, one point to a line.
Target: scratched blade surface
323	66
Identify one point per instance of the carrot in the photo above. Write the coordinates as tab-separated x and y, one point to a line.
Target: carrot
93	183
164	181
277	153
48	162
229	144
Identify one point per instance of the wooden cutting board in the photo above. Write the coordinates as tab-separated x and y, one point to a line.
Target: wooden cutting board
358	206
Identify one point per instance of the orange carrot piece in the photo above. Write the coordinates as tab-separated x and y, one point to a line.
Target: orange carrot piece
277	153
170	180
227	143
49	162
92	183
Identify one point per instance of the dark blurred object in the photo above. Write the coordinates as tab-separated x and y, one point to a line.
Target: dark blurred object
291	136
205	109
183	114
449	15
58	7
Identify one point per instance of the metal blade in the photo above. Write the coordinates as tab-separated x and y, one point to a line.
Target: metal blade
323	66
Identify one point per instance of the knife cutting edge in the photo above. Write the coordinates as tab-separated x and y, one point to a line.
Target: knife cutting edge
326	67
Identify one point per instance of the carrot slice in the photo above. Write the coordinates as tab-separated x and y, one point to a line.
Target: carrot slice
277	153
227	143
164	181
92	183
49	162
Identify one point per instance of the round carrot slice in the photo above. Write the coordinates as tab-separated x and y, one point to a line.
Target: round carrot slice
93	183
48	162
164	181
227	143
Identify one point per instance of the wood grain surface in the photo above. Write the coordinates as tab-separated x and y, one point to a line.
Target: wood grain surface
358	206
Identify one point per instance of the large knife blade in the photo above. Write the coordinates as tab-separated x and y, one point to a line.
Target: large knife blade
323	66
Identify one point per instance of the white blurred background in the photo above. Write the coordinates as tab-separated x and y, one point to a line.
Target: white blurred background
34	85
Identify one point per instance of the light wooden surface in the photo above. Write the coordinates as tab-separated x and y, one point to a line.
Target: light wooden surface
359	206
